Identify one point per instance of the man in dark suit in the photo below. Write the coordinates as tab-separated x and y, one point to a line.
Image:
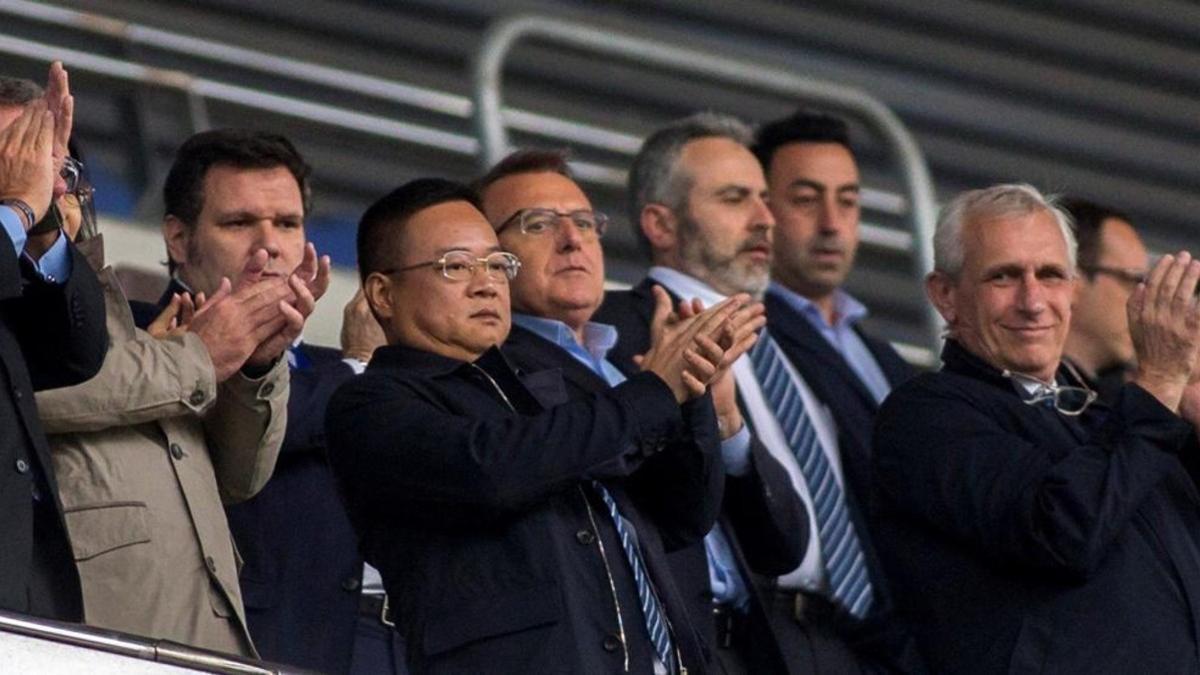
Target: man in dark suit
698	200
813	188
52	334
1027	526
229	193
542	216
506	517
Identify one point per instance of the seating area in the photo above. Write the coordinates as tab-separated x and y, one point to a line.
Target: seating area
1004	91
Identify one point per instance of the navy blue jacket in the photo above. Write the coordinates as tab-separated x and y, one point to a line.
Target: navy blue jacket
51	335
836	385
1022	540
469	483
302	570
766	517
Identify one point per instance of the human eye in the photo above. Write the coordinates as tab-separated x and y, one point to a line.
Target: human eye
584	220
290	223
537	223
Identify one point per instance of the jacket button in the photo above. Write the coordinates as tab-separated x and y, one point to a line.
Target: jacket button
350	584
22	466
176	451
210	564
584	537
267	389
197	397
612	642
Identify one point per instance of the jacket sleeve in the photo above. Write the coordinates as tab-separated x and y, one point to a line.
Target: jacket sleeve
245	429
767	515
60	327
681	488
399	450
142	380
942	459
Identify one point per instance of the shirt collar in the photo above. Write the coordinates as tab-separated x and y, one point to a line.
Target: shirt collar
685	286
598	338
846	308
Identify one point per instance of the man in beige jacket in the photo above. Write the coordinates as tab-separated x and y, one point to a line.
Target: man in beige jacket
182	421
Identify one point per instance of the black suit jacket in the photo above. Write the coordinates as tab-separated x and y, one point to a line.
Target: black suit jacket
51	335
470	487
766	519
302	570
1022	540
836	385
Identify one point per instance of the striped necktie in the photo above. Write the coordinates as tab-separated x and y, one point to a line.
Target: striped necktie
652	612
850	585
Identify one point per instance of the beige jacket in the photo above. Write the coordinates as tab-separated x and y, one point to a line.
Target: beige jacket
145	454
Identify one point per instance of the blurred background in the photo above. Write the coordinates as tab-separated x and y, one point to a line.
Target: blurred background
1092	97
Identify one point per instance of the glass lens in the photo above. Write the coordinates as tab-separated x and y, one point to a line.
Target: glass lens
457	265
538	221
1073	400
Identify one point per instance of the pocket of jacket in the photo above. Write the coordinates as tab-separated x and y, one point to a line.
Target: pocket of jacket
95	529
492	616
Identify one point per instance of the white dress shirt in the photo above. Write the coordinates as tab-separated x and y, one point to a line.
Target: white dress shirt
810	575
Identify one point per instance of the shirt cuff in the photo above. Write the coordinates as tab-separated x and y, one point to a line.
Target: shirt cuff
735	452
14	225
55	264
357	366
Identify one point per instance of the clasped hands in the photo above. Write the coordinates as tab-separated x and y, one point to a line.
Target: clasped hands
248	322
693	348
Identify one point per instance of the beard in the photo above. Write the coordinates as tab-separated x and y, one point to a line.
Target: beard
726	272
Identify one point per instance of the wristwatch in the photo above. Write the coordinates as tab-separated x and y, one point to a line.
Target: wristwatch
23	209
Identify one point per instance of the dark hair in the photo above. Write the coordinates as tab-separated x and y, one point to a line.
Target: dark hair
1088	217
183	193
802	126
16	91
526	161
379	243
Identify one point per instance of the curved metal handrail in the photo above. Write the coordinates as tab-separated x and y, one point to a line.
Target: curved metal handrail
505	33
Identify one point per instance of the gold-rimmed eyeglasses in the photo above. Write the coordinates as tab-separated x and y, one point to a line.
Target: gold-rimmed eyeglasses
461	266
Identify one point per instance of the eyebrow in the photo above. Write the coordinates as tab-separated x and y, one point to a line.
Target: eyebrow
450	249
251	215
820	187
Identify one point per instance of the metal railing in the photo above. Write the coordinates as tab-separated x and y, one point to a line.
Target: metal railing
132	646
503	35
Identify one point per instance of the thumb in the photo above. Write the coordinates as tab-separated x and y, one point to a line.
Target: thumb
662	311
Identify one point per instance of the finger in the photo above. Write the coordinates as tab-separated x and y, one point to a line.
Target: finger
699	366
1185	292
739	348
695	387
662	310
62	127
1155	281
638	358
321	283
709	349
161	323
307	269
187	309
305	302
1170	282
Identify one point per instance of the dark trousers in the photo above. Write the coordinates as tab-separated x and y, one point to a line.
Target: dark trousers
807	639
378	649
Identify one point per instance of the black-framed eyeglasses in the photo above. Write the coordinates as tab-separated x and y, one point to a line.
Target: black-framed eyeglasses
538	221
1129	276
461	266
72	173
1066	399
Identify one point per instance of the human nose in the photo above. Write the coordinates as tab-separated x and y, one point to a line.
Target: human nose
1031	298
762	217
482	282
268	238
567	234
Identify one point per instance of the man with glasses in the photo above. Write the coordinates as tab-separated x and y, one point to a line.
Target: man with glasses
1027	526
51	335
503	513
1112	262
542	215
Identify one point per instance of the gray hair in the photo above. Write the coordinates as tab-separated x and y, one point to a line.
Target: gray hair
655	177
15	91
997	201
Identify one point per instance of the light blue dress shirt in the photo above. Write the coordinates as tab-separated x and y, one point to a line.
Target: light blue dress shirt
727	583
841	335
55	265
